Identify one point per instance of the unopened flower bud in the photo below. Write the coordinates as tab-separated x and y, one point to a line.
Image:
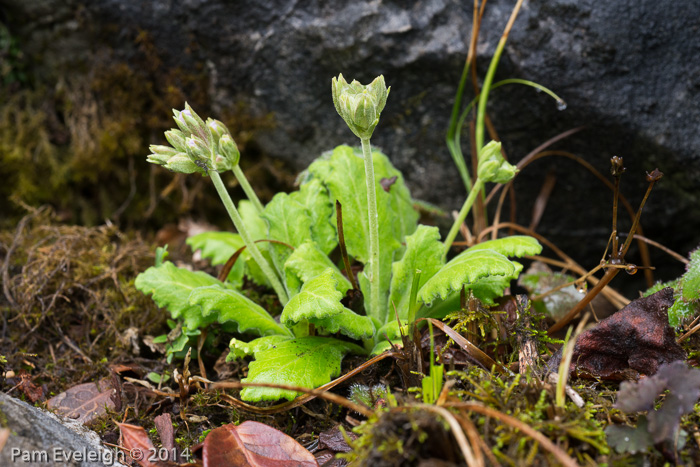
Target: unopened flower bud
192	125
493	167
217	128
176	138
163	150
183	164
222	164
196	149
360	106
229	150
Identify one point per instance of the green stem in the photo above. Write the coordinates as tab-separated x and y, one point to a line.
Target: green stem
250	244
249	192
374	309
478	185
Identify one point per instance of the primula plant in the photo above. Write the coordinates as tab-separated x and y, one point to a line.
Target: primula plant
289	244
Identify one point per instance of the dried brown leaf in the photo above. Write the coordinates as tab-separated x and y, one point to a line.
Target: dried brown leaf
136	443
635	340
84	402
253	444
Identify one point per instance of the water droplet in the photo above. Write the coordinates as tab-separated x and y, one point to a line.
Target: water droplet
538	90
561	105
631	269
627	438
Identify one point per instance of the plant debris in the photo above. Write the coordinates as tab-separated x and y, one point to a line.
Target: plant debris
634	341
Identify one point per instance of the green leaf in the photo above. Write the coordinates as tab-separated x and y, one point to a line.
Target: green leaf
383	346
424	252
347	323
468	268
318	299
171	288
690	282
257	229
307	262
228	305
307	362
491	287
516	245
343	175
218	247
289	222
314	197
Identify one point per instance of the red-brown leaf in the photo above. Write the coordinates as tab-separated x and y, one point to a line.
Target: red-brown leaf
33	392
635	340
253	444
136	443
84	402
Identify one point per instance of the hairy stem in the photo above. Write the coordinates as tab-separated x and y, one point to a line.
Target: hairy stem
252	247
478	185
374	309
249	192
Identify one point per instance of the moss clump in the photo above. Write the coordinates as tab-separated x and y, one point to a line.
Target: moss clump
68	291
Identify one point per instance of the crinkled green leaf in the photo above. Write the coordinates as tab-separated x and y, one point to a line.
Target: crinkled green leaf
289	222
171	287
307	262
490	288
240	349
343	174
228	305
307	362
680	310
424	252
516	245
383	346
468	268
219	247
314	197
216	246
690	282
257	229
347	323
318	299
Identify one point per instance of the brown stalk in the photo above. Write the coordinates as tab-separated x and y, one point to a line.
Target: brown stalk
556	451
611	272
223	274
341	243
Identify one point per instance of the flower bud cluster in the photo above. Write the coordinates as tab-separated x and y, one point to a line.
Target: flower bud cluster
196	145
493	167
360	106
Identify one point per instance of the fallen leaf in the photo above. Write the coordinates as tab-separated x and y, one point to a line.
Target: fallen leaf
33	392
334	440
253	444
635	340
164	426
136	443
84	402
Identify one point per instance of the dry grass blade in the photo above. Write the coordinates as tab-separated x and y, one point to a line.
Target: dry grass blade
556	451
472	350
457	431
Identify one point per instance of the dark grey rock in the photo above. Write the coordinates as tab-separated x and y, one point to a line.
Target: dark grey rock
40	438
629	72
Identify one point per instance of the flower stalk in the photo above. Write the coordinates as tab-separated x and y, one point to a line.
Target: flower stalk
360	106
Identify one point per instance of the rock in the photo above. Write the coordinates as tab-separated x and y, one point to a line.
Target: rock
39	438
625	71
